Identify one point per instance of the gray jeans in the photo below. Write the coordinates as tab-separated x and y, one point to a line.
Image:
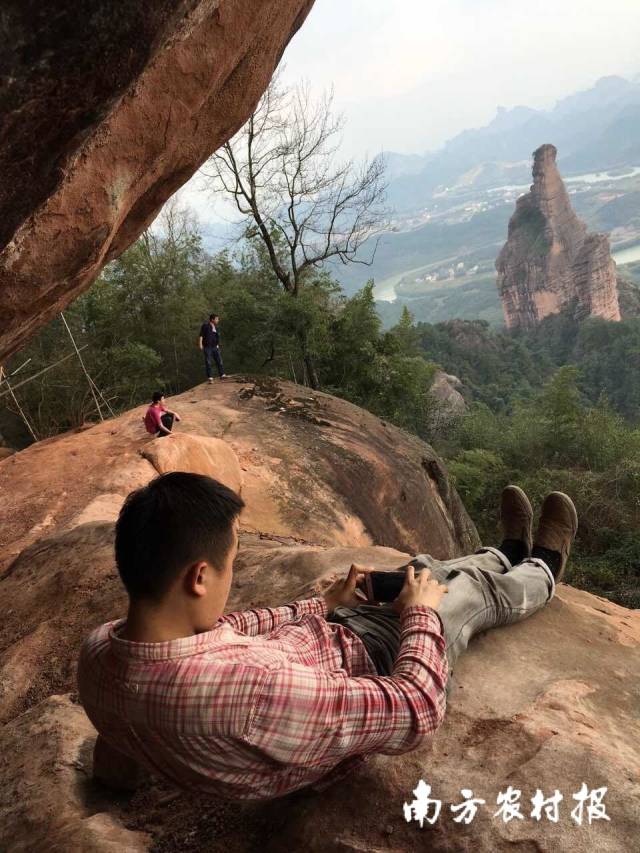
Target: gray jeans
485	591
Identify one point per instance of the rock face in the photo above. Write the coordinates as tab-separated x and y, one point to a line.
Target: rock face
196	455
313	467
446	389
629	299
549	260
450	403
107	110
46	800
548	703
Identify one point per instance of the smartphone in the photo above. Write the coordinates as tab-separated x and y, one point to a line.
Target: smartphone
385	586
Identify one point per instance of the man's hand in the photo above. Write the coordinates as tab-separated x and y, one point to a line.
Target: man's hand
343	590
423	590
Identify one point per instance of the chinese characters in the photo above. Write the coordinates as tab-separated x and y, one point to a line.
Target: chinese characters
590	806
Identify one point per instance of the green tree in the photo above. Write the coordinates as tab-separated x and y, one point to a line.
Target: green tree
305	206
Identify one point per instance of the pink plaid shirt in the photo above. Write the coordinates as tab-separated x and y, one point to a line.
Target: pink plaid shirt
266	702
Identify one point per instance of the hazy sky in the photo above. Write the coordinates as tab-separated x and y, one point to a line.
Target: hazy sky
410	74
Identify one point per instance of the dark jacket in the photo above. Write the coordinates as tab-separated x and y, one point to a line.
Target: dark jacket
209	337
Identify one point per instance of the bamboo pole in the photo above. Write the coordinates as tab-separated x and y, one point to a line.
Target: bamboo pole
13	372
15	400
39	373
84	369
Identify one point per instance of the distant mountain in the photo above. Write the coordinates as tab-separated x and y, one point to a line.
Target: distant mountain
398	165
452	206
595	129
606	90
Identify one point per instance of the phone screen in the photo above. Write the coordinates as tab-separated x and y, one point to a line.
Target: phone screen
385	586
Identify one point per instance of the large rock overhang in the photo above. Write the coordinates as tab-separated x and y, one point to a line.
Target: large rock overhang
107	109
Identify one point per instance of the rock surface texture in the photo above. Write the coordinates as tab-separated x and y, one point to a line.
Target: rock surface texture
450	402
107	109
549	261
548	703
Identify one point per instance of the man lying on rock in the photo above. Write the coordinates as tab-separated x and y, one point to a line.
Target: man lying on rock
259	703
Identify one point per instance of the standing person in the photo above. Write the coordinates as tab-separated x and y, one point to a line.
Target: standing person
158	419
209	342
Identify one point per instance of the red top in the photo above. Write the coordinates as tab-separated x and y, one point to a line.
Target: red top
266	702
152	418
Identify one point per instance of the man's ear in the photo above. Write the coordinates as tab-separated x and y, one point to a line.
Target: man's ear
198	578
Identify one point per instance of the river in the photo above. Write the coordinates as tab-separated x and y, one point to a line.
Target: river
589	178
627	256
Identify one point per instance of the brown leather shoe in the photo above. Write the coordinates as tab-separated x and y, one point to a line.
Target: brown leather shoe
516	516
557	528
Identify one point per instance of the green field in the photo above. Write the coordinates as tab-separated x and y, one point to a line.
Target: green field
469	298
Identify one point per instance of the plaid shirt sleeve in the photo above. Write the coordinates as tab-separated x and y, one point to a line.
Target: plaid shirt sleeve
316	718
252	622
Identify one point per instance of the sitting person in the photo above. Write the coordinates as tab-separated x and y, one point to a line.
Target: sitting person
158	420
259	703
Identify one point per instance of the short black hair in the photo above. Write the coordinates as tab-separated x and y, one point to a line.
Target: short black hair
173	522
157	396
213	316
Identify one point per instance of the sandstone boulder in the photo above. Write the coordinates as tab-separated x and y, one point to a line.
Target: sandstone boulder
105	507
196	455
47	800
61	587
50	597
450	403
549	703
546	704
107	110
324	471
354	484
549	261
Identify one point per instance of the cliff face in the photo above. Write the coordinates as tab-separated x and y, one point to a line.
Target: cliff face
549	260
547	703
106	111
451	404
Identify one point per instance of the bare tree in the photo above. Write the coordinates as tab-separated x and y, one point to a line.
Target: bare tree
306	206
